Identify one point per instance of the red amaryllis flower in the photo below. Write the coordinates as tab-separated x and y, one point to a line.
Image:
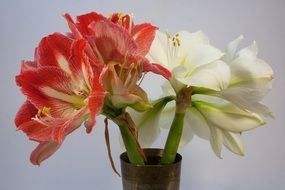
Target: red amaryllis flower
120	46
63	91
143	34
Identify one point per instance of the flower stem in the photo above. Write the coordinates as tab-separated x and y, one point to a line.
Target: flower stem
183	101
131	145
173	139
129	135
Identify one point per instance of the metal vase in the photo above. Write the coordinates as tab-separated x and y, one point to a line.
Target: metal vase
151	176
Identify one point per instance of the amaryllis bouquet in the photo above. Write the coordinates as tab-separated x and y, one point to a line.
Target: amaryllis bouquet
97	68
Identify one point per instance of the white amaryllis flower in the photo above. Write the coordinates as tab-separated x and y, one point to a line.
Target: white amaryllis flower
213	116
191	58
193	61
214	119
251	78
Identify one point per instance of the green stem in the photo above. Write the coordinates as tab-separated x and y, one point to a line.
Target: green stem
131	145
125	123
183	101
173	139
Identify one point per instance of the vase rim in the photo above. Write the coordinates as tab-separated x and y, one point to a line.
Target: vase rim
151	152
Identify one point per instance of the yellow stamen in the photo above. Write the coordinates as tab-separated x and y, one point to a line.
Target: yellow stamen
173	43
43	111
175	40
168	35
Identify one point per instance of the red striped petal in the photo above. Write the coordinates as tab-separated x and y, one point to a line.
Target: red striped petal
43	151
25	121
39	132
95	103
85	20
111	42
143	34
80	64
156	68
25	113
46	148
51	48
77	59
47	128
33	82
77	35
72	26
46	77
28	65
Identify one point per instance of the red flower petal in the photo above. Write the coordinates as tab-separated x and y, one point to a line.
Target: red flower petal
52	49
24	121
34	82
95	104
122	20
80	65
39	132
111	42
72	26
143	34
52	77
25	113
48	128
156	68
43	151
77	35
85	20
28	65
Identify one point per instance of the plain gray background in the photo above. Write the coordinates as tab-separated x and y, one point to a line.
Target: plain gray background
82	161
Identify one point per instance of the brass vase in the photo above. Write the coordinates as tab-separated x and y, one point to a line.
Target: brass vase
152	176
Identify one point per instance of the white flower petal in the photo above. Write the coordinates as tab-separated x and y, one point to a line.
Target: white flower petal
247	95
249	51
167	89
167	115
214	76
176	85
187	135
245	68
158	50
231	49
147	122
233	142
196	121
201	55
190	41
251	78
225	114
216	140
149	133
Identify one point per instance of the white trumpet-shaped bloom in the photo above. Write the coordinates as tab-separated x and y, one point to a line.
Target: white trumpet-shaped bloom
214	119
191	58
251	78
227	89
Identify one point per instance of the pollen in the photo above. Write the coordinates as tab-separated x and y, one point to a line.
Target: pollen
43	111
121	17
176	40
